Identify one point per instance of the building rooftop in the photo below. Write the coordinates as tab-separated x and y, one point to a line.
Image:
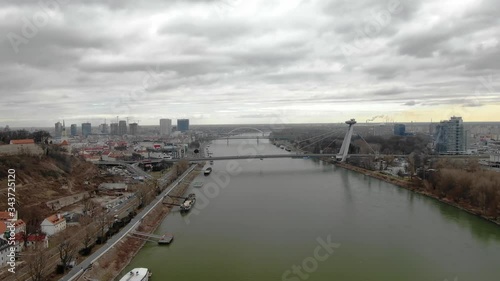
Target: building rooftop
111	186
6	216
25	141
55	219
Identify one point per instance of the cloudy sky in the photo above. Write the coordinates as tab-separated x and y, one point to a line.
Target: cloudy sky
255	61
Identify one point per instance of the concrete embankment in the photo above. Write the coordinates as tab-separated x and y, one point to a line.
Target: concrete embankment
415	187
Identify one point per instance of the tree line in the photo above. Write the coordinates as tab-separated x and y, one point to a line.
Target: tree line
37	136
467	185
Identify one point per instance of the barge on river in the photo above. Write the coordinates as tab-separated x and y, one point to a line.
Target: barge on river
188	203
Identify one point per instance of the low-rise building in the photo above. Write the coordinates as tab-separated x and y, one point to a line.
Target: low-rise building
116	187
16	147
53	224
5	216
38	239
5	251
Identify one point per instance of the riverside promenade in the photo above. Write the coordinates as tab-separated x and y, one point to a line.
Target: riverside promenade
83	266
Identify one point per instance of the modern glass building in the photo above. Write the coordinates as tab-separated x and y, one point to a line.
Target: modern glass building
58	130
399	129
86	129
73	130
183	125
450	136
133	129
122	127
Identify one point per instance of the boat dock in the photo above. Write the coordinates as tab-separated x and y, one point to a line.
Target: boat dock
160	239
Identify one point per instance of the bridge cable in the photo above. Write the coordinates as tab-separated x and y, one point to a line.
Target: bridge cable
327	133
369	146
330	135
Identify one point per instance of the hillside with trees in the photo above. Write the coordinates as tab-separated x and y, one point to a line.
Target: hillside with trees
48	177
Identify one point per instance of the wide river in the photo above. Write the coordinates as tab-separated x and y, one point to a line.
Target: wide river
301	219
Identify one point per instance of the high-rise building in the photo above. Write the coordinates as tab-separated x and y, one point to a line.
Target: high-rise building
114	129
59	129
450	136
165	127
399	129
133	129
104	128
122	127
86	129
73	130
183	125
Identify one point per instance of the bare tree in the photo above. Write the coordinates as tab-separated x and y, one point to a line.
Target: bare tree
103	220
412	162
182	165
87	236
32	217
88	205
67	249
36	261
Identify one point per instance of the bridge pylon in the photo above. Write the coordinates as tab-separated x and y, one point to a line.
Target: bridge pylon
344	149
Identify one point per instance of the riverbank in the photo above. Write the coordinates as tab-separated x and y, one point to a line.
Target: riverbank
111	264
416	187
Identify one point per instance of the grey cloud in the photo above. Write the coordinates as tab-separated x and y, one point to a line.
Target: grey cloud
92	53
390	92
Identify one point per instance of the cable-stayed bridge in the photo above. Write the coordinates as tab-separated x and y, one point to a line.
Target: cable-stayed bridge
341	156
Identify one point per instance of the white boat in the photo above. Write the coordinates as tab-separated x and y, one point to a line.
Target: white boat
208	171
137	274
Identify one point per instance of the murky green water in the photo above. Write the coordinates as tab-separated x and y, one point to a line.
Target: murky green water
266	221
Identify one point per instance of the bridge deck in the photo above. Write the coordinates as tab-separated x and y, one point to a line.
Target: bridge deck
271	156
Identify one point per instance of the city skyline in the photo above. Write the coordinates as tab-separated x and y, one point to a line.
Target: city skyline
243	62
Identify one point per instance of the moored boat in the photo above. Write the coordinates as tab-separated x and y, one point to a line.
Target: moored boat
208	171
188	202
137	274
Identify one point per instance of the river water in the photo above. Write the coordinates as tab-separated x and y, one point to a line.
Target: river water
301	219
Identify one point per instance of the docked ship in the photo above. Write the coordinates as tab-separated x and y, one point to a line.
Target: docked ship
137	274
188	203
208	171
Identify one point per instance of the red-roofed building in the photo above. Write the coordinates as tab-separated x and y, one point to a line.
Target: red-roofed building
53	224
38	238
25	141
19	228
5	216
16	147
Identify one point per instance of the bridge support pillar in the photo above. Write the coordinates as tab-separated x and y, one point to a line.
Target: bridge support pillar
344	149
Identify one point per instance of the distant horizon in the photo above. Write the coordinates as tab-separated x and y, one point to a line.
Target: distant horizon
264	124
